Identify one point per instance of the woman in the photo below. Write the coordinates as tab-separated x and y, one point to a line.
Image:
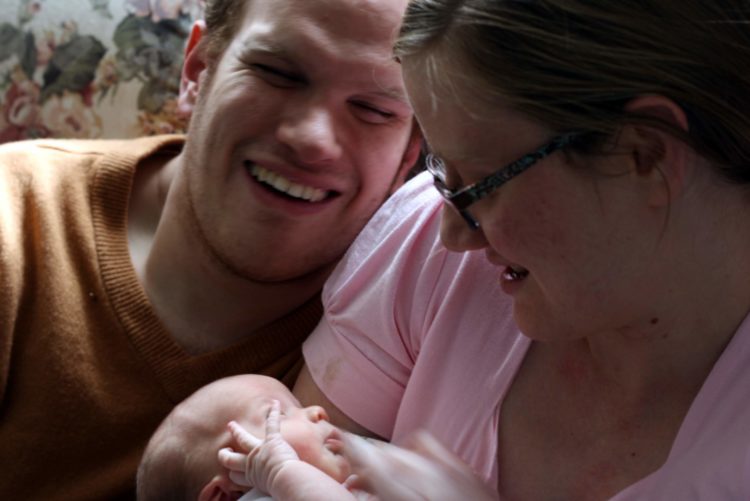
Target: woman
625	248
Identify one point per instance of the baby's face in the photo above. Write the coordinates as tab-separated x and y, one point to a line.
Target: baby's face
308	431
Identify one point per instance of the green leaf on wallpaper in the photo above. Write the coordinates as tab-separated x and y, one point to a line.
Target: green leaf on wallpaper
152	96
135	34
128	33
10	40
151	52
102	8
27	55
26	11
73	66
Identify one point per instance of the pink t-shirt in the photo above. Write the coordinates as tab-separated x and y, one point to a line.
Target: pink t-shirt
415	336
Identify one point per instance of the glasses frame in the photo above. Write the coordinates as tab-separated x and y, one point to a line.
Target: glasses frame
460	199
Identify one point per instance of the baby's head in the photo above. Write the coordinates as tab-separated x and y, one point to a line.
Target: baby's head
181	463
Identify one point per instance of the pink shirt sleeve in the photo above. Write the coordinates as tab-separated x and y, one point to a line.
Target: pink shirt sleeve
362	353
416	337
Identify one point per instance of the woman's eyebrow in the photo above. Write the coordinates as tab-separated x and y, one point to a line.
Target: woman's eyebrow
394	93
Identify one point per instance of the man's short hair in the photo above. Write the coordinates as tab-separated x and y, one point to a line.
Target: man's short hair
223	18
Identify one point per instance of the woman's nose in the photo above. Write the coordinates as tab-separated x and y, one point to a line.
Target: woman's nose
316	413
456	233
311	133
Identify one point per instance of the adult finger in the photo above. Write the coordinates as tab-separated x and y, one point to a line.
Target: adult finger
367	462
429	447
393	472
353	482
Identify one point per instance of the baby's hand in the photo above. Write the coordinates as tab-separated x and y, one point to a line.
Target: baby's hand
264	460
237	462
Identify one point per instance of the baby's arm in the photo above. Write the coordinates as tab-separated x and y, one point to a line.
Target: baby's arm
274	467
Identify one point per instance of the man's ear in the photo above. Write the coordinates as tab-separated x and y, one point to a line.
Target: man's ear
220	488
411	153
658	157
192	68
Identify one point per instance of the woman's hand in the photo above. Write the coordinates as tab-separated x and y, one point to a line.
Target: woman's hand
424	470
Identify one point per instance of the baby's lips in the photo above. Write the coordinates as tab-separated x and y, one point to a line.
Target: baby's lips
334	441
334	445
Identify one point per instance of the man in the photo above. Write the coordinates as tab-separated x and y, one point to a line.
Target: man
134	272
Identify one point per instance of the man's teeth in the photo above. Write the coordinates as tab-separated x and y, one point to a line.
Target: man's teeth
284	185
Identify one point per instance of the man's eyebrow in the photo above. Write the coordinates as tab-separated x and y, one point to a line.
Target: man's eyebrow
260	46
268	47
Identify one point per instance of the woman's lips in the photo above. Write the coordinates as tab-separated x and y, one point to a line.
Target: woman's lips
515	273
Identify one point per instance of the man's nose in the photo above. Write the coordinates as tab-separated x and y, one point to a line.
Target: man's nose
310	131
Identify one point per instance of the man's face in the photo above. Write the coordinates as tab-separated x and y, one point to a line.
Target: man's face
297	134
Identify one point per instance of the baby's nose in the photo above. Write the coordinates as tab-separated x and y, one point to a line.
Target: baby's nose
316	413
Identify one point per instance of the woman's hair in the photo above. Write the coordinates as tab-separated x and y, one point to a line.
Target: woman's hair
574	64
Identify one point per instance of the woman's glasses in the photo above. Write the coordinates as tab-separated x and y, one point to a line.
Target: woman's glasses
461	198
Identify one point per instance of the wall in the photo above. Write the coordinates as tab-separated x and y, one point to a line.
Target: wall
91	68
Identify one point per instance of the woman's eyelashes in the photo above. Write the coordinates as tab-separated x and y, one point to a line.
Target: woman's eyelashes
371	113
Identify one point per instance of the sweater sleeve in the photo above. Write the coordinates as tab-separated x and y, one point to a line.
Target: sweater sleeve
11	261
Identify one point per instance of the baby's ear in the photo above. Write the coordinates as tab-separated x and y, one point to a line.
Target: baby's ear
220	488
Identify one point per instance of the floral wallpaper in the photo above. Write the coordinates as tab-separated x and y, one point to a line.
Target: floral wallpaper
91	68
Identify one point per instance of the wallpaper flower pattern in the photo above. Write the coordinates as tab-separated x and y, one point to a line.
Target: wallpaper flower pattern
91	68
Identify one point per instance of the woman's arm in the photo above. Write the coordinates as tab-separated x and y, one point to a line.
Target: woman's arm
308	393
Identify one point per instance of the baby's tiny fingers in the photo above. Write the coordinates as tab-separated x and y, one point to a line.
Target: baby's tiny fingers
273	424
239	479
247	440
233	461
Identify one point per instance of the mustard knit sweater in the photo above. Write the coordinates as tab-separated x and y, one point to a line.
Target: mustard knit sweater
87	371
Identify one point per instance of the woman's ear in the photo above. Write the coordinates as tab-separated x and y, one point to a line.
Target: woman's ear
192	68
659	157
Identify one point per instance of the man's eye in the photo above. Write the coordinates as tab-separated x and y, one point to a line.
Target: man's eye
372	114
277	77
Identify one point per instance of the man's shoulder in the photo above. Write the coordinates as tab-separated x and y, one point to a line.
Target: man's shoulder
87	147
407	212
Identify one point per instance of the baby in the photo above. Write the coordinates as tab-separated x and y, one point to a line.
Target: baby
300	457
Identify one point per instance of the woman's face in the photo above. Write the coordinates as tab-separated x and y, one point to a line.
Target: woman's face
574	244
